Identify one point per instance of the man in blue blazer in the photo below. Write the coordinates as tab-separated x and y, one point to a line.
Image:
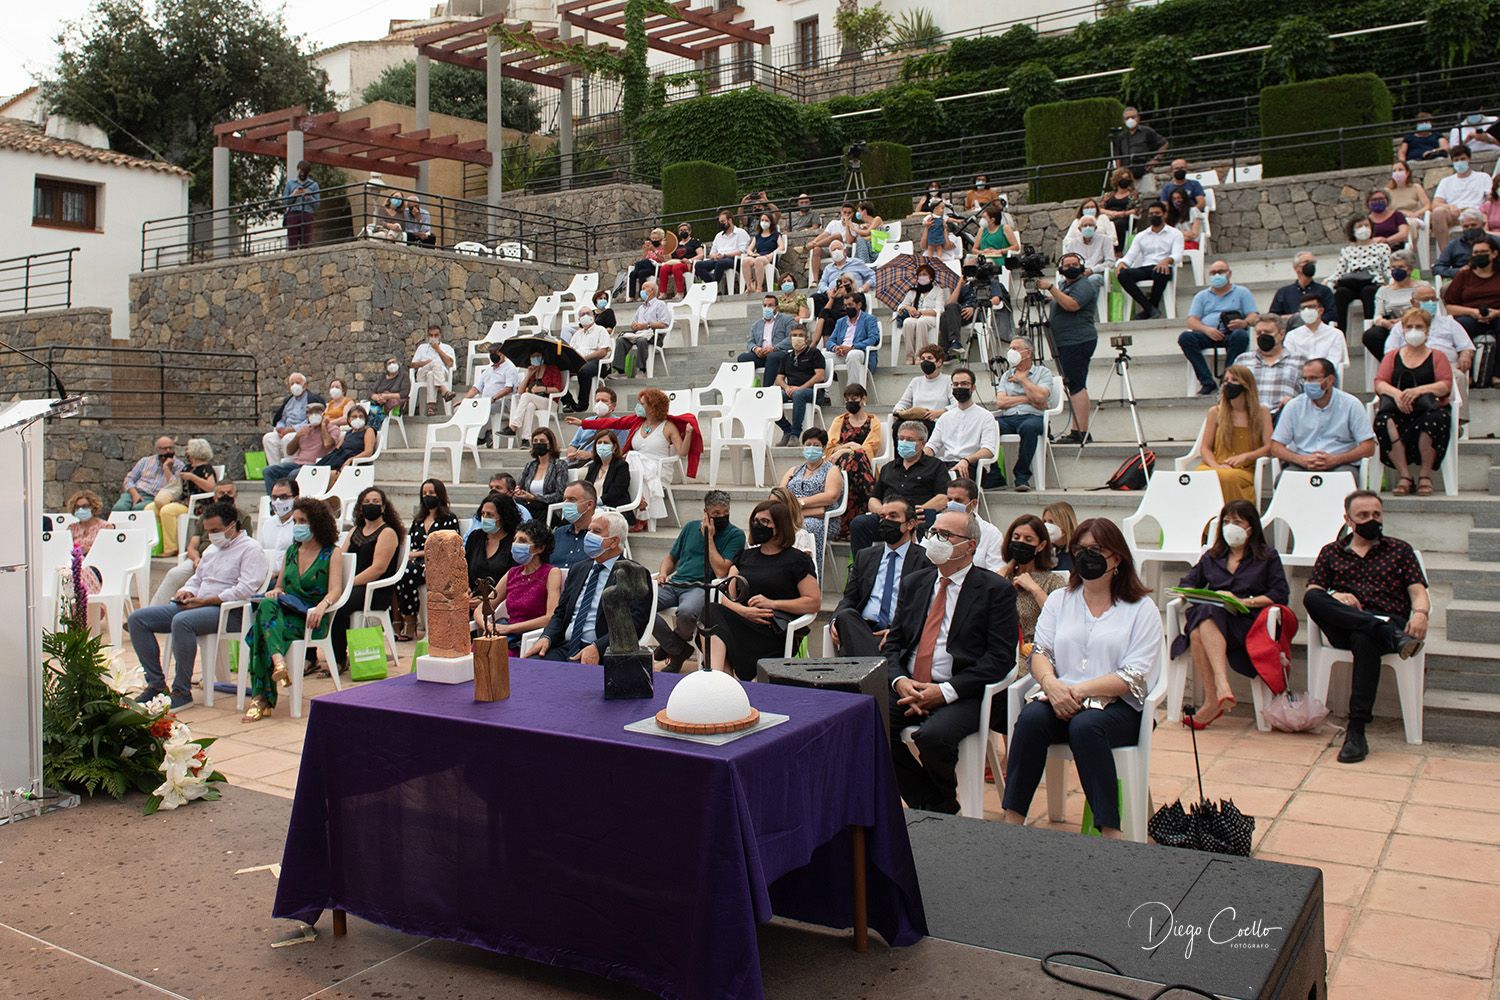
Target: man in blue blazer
854	338
770	340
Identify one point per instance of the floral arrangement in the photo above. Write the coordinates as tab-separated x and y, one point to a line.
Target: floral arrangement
95	736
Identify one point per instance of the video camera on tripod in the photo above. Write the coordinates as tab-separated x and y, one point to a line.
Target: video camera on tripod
1030	262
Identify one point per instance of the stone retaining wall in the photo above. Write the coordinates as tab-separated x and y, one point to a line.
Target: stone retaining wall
34	332
87	454
601	208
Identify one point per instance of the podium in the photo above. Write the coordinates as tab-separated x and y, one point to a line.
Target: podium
21	569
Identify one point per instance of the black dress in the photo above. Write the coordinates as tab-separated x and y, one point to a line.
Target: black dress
1253	578
774	576
362	546
1436	423
409	590
483	565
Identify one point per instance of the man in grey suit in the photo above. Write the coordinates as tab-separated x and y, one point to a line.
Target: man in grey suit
770	340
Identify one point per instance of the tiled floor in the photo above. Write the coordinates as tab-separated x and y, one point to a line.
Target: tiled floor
1408	841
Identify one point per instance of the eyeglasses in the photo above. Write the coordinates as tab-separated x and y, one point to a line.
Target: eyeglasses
764	523
947	536
1079	550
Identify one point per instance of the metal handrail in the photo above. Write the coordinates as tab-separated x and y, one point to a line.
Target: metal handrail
27	283
121	382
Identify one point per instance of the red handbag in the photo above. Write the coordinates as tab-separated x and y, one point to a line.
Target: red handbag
1271	655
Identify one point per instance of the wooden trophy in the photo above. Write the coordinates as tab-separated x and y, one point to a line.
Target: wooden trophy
491	653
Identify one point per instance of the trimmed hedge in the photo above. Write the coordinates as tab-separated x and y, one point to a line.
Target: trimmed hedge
694	191
1359	99
887	165
1067	132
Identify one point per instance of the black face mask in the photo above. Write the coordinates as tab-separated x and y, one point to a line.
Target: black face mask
166	456
1022	553
371	511
851	312
429	503
538	450
760	534
656	243
495	359
962	393
683	234
1071	273
928	367
1480	260
727	226
1179	175
1471	236
853	405
1157	220
888	532
1090	565
1266	342
1233	391
1369	530
1308	270
720	523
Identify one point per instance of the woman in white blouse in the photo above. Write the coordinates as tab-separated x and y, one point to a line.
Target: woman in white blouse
927	395
1098	651
1364	265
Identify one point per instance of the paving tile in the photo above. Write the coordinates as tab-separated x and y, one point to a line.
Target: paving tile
1262	802
259	764
1363	979
1455	795
1428	944
1326	843
285	779
1449	858
1283	748
1454	824
1464	770
1343	811
1459	902
1335	924
1337	779
1387	762
1239	771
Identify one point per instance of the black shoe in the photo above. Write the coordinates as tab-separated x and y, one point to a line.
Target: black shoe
1355	749
1408	645
1208	390
1074	436
508	431
787	440
151	692
181	701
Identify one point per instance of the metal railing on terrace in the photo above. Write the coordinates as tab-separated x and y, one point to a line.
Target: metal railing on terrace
37	281
150	385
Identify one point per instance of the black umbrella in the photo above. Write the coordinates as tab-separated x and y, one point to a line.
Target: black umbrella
1217	827
554	352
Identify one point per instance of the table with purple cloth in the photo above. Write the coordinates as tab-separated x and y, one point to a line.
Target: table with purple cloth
539	827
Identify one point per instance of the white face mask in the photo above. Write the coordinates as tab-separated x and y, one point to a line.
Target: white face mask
1415	338
838	256
1235	536
334	392
601	408
217	537
765	225
281	506
357	424
1012	357
297	389
1361	232
939	550
1130	123
1054	533
1310	315
586	320
314	419
392	369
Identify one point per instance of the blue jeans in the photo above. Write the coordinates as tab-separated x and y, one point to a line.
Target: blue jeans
801	399
1029	426
185	626
125	503
1193	345
276	473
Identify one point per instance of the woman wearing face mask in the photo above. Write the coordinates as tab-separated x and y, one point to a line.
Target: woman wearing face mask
88	520
300	598
771	583
487	548
432	514
375	541
927	395
610	474
866	221
1186	216
392	390
388	224
1364	265
766	242
654	441
1406	193
335	411
604	315
654	253
1236	435
674	272
1120	203
1413	388
1394	299
530	589
540	380
358	442
545	477
818	484
920	309
1061	521
1097	654
858	440
1387	223
1091	210
1239	564
1028	555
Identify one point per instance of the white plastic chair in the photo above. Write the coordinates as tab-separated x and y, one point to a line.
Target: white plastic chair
1448	469
1177	670
1194	458
479	350
580	290
1054	408
831	515
312	481
1182	504
382	437
731	377
693	309
57	557
298	651
414	397
471	247
872	358
119	556
814	416
974	751
353	480
514	250
382	618
755	412
539	319
1309	506
1411	674
1132	763
1245	173
1209	179
458	434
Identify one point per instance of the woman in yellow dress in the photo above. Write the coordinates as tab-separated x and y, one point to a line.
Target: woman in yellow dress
1236	434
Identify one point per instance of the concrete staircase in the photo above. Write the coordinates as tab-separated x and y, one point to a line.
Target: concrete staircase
1458	536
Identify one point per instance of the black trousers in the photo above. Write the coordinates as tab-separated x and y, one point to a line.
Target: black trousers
1374	339
1346	291
856	636
586	376
932	782
1091	734
950	325
339	631
1362	634
1130	280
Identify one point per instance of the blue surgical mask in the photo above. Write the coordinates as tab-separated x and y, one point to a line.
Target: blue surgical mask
569	511
1313	390
520	553
788	285
489	525
812	452
766	312
592	545
536	360
1476	119
83	514
906	449
395	202
1218	280
1087	231
1460	167
1424	126
606	449
301	532
1429	307
640	410
957	507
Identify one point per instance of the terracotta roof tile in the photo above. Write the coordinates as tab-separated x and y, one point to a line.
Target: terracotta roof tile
27	137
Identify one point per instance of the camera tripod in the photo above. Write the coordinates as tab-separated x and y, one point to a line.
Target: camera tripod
854	183
1121	367
1033	324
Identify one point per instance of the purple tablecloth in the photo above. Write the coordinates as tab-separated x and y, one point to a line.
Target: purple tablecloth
538	827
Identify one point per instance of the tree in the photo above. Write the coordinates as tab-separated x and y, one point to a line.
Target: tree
1300	50
458	91
158	82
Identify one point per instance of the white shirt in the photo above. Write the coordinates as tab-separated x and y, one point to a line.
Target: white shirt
426	352
960	432
1445	336
1327	341
1150	247
987	552
1125	640
942	660
837	229
1464	192
493	378
734	241
590	339
1473	136
928	393
231	571
275	535
766	329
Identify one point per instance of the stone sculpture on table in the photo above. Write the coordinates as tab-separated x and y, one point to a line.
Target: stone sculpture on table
449	659
627	667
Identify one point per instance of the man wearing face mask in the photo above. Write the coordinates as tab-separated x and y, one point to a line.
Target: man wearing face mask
841	263
580	448
1278	372
1023	395
966	437
652	319
148	476
705	550
963	496
1287	302
802	369
311	442
1368	595
274	533
392	389
1444	333
913	476
1182	182
724	253
1324	428
1455	255
580	500
301	196
1154	254
232	568
1464	188
433	362
1473	296
769	341
596	346
1316	339
1094	249
1075	337
839	231
1475	129
290	415
854	336
1139	148
953	633
578	630
494	382
1422	143
1220	317
198	542
872	593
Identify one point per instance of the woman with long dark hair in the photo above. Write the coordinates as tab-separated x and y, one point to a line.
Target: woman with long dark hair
1097	653
432	514
375	541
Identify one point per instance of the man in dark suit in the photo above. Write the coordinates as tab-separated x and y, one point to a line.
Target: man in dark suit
954	633
770	339
872	594
578	629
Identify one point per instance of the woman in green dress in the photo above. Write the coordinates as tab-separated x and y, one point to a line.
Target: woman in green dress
308	576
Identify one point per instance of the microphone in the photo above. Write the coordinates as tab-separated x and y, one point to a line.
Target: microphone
61	392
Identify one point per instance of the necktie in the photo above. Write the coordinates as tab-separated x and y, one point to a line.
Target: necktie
889	597
585	606
922	667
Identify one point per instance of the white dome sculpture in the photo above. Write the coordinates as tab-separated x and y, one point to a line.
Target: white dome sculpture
708	697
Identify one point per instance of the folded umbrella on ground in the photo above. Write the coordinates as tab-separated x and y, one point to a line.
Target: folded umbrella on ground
1217	827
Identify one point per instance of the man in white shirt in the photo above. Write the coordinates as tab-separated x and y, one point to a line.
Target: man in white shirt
1464	188
1155	253
494	381
233	568
1315	338
274	533
1475	129
433	363
724	253
595	345
652	319
966	435
963	496
1444	335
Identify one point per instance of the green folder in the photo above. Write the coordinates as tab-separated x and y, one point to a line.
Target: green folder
1196	595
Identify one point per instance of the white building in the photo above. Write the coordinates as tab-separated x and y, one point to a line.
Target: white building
61	186
353	66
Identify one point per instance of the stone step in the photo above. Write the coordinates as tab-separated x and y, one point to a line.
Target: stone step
1476	621
1469	717
1484	544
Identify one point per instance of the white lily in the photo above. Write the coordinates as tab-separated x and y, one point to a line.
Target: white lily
122	677
158	705
179	791
178	759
